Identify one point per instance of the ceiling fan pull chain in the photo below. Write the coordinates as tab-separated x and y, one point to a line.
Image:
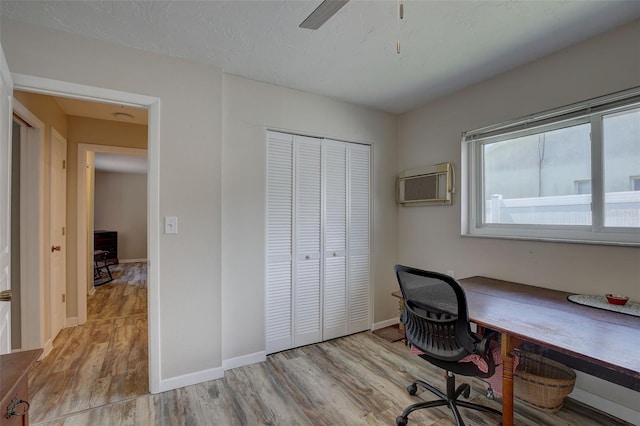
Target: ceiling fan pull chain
400	17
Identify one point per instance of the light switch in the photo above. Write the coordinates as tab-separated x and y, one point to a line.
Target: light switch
170	224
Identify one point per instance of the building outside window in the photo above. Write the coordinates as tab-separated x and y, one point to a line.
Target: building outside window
563	174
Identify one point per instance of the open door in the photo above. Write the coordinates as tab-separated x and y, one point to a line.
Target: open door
58	219
6	91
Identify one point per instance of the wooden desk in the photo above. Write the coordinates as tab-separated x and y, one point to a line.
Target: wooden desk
545	317
14	383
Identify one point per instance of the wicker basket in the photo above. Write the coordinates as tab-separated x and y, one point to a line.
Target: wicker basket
541	382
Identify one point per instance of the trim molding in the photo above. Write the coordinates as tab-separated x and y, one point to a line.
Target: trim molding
190	379
48	345
47	86
383	324
72	322
241	361
619	411
133	260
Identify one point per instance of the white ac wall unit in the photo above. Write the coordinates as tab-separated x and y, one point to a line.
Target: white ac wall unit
429	185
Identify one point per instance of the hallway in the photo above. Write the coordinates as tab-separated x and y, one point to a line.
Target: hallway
103	361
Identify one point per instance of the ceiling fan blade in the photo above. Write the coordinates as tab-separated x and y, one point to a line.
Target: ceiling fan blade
322	13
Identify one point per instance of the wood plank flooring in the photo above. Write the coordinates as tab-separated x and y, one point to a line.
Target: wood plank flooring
356	380
102	361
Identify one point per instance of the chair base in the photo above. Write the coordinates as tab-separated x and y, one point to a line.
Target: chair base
450	399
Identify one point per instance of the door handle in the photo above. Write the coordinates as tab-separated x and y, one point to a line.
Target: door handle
55	248
6	295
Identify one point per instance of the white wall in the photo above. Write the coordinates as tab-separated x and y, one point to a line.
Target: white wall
430	236
121	205
249	109
189	170
191	154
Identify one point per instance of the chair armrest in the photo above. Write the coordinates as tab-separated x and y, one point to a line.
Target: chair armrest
483	345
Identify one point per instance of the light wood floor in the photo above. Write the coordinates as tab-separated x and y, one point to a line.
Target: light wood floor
356	380
103	361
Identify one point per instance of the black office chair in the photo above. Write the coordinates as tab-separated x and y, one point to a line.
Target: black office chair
436	322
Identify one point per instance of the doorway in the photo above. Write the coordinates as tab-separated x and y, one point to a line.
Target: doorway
151	104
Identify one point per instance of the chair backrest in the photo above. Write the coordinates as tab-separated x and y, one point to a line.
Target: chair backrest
435	314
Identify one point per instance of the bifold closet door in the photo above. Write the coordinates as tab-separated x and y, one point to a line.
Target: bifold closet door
279	256
307	213
334	156
318	240
346	295
359	237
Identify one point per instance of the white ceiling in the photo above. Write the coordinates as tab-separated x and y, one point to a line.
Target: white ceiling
445	45
102	111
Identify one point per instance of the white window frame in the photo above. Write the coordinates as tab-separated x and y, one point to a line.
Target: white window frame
591	111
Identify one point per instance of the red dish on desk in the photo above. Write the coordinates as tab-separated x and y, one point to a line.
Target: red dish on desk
615	299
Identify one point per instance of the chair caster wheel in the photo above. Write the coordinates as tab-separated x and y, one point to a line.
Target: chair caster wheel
401	421
466	392
412	389
491	394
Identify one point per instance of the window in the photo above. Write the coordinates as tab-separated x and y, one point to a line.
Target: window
583	186
559	175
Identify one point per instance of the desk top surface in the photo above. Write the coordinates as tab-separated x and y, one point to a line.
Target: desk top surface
13	368
546	317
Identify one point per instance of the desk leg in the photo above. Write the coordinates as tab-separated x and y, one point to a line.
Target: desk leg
508	344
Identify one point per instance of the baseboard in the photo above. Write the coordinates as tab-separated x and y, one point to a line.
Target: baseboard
607	406
211	374
132	260
241	361
48	346
72	322
191	379
383	324
91	291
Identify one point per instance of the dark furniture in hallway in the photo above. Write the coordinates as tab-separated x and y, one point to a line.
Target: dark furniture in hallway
107	241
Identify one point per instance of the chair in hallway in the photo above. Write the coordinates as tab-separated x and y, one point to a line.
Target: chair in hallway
101	263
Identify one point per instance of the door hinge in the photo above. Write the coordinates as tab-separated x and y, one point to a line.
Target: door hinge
64	297
64	164
63	231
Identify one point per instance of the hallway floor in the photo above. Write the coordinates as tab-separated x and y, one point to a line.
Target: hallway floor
103	361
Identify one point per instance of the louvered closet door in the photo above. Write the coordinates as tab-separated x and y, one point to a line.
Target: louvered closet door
307	241
359	244
318	227
335	239
279	332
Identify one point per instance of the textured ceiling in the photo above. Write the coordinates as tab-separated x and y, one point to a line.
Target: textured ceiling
445	45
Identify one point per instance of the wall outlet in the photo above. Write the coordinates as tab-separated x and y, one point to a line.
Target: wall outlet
451	273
